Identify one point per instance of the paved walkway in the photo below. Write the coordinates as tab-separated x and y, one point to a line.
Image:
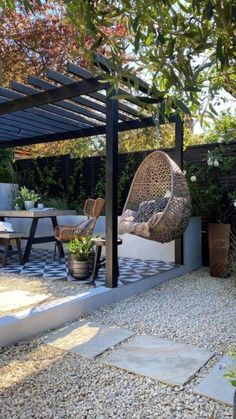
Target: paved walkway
169	362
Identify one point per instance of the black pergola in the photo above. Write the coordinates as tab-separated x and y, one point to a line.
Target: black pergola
78	105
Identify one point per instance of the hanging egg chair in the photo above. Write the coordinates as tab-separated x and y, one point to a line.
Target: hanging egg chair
158	204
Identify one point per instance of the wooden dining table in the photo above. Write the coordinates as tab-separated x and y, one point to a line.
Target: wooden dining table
35	216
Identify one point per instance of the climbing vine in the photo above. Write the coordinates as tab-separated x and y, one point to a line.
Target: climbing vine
100	188
125	181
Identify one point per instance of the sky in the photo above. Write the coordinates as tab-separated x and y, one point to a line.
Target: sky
227	103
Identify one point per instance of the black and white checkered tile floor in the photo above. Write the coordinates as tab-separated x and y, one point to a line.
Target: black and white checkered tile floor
42	264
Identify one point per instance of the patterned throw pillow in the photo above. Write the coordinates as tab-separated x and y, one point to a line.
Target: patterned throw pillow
147	208
83	227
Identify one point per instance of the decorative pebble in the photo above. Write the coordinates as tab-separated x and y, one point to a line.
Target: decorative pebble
42	382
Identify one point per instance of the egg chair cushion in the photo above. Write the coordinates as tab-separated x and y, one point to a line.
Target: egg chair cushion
147	208
127	219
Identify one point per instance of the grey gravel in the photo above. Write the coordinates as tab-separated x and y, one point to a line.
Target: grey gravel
38	381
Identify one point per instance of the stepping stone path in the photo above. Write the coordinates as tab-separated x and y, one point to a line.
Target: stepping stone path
168	362
12	300
87	338
215	385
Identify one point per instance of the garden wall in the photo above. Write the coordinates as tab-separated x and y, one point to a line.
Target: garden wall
73	180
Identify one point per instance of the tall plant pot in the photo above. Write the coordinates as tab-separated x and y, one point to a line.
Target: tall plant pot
219	240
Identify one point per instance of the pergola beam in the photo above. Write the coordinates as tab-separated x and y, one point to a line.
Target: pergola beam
108	66
19	87
98	106
85	75
83	132
78	102
50	96
50	111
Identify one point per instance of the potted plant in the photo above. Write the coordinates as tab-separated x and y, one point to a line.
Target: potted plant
26	198
213	200
80	257
231	376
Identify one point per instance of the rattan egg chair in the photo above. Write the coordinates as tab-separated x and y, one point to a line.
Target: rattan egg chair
158	176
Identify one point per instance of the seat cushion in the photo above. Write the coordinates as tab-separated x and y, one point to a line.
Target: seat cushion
84	227
126	219
148	208
66	233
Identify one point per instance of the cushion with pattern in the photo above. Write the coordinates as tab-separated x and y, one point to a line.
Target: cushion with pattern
147	208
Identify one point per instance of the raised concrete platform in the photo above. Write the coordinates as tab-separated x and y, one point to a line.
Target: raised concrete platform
29	323
12	300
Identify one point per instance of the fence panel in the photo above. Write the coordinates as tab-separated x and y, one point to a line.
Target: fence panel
78	179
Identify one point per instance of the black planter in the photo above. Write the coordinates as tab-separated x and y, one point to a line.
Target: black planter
80	269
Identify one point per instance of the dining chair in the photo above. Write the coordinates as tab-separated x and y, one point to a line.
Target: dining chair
64	233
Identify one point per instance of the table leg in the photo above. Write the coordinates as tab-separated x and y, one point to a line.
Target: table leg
30	239
97	257
4	261
18	245
10	246
117	268
60	249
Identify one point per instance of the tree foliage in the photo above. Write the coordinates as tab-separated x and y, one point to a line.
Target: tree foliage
223	129
187	48
32	41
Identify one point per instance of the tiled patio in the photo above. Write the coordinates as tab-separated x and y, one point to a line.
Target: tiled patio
42	264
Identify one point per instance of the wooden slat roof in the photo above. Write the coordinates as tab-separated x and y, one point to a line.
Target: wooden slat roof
63	106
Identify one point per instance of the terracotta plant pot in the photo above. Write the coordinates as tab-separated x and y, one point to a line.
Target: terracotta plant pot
219	241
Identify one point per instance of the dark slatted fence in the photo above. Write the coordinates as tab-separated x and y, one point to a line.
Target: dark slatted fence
78	179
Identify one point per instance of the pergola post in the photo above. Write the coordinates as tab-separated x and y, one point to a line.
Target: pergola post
178	157
111	190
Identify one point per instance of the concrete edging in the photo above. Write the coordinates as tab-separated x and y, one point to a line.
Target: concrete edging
31	322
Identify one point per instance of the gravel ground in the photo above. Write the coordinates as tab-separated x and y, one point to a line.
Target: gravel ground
39	381
53	289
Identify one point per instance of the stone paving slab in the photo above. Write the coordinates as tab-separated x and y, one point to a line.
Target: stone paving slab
12	300
87	338
166	361
215	385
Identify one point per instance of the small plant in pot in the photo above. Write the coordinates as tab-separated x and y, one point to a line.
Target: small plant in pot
80	257
231	376
26	198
